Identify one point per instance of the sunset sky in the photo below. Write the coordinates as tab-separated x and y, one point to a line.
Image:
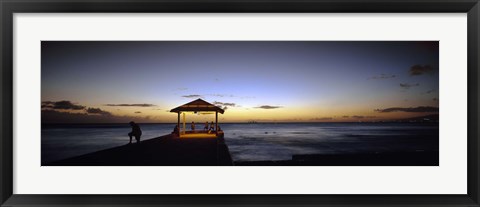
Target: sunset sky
286	81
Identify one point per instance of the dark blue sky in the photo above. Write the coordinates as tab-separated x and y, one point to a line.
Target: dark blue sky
262	80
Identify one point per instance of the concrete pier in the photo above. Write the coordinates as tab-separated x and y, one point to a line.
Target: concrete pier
167	150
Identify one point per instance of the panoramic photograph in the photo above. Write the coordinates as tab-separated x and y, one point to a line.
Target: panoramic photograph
239	103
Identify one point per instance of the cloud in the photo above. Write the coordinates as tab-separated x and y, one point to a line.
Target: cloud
322	119
52	116
430	91
407	85
136	105
268	107
61	105
434	99
217	95
137	112
358	117
345	116
382	76
182	89
221	95
97	111
192	96
411	109
421	69
224	103
362	117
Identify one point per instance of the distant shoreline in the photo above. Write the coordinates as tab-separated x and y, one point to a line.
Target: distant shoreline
431	118
365	122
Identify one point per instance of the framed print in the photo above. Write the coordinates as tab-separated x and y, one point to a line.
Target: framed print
239	103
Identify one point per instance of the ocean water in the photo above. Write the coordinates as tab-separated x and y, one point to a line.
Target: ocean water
254	142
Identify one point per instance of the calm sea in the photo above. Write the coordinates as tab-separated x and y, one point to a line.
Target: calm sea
252	142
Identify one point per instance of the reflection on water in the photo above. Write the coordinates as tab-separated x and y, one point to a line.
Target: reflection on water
255	141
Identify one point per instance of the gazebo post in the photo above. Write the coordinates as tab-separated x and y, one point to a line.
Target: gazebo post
216	123
184	125
178	124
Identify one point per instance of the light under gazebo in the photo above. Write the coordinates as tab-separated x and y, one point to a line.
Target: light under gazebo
196	106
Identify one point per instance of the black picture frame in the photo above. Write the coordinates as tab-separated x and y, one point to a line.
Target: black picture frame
9	7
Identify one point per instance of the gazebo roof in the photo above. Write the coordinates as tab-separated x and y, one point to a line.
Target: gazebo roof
198	105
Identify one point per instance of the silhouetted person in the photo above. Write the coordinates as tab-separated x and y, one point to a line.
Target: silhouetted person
206	126
136	132
193	126
175	130
212	126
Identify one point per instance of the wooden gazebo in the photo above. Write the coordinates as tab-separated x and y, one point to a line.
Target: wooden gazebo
196	106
